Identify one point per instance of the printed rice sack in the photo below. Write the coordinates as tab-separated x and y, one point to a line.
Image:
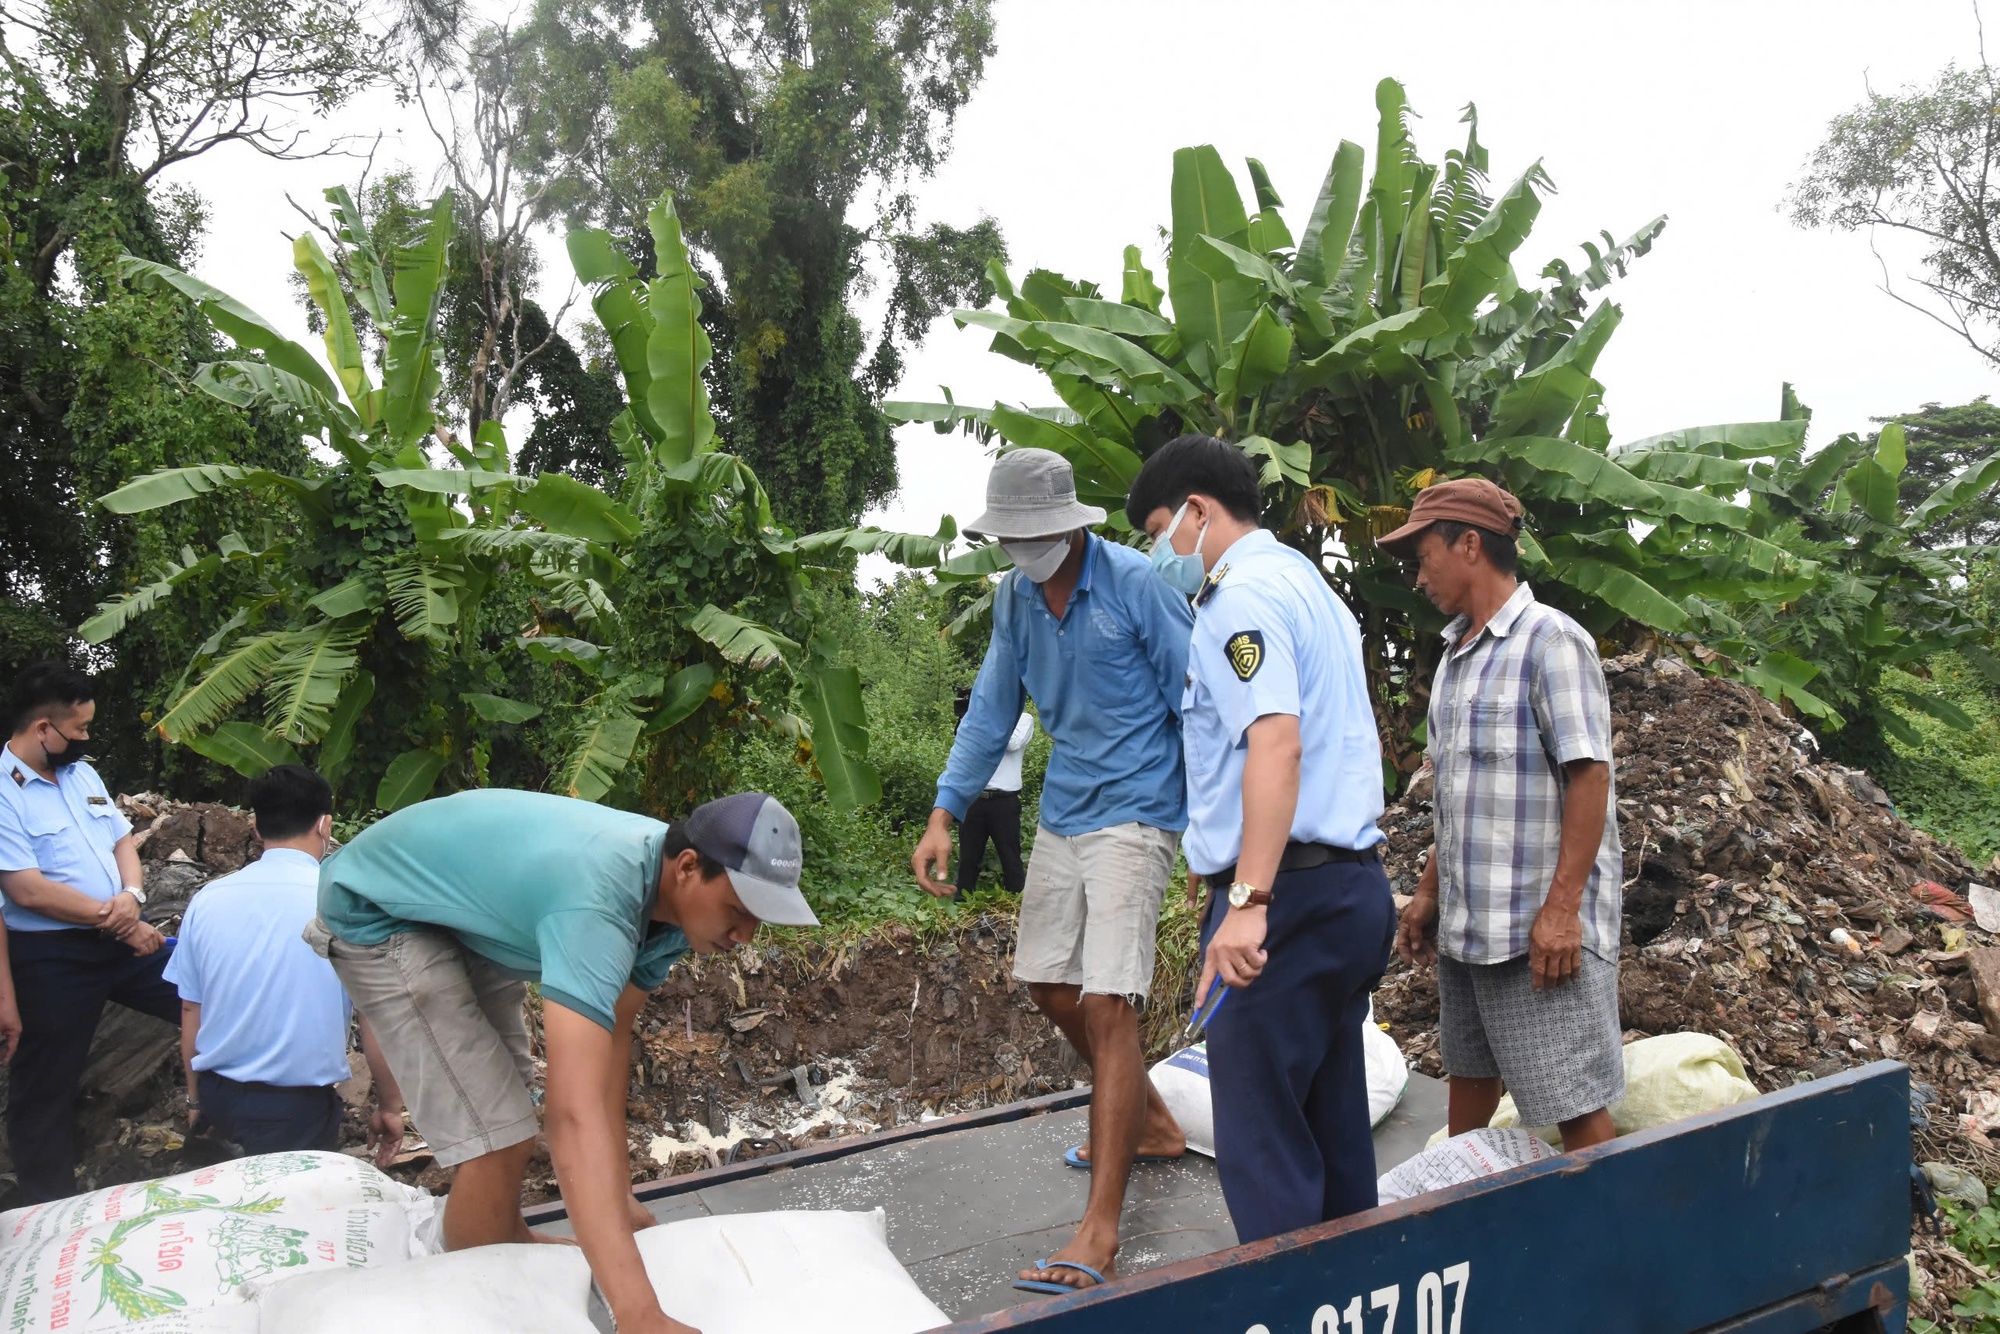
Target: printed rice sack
1182	1081
306	1180
161	1257
1462	1158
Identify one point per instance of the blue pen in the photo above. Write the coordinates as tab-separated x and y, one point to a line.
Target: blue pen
1198	1023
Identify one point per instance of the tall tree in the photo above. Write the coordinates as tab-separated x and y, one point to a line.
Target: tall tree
1942	442
1923	163
774	124
99	100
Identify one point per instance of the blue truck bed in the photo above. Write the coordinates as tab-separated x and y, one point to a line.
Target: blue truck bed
1783	1215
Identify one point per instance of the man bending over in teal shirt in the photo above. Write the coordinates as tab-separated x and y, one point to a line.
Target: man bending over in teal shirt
436	917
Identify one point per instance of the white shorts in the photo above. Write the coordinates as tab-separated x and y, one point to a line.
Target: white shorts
1091	909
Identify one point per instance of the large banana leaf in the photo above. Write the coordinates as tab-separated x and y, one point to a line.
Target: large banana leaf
171	486
1116	317
1478	267
343	724
602	750
244	747
371	285
1209	312
620	305
1624	591
500	709
1268	233
1323	243
745	643
243	325
305	681
1541	401
411	377
681	696
1139	289
343	348
831	696
115	613
1103	357
409	779
425	598
1732	440
564	505
1256	360
1100	466
233	678
1964	487
914	550
677	348
449	481
257	384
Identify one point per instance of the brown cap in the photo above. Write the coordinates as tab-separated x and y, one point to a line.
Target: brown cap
1472	500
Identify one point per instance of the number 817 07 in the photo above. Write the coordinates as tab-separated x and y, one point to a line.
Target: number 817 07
1433	1312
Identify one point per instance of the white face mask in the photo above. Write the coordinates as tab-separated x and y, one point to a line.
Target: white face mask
1038	559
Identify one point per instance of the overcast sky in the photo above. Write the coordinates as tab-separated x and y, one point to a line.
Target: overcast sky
1702	111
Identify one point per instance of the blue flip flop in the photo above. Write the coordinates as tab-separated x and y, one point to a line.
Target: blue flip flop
1059	1289
1073	1157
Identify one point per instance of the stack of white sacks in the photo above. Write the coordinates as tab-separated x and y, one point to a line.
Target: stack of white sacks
314	1243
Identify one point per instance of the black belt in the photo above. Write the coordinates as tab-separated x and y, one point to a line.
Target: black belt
1304	856
1001	792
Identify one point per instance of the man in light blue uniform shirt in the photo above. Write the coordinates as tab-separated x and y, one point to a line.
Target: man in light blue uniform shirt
263	1019
74	888
1083	627
1285	787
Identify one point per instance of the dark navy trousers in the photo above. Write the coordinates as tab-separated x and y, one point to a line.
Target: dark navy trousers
62	979
1285	1062
270	1118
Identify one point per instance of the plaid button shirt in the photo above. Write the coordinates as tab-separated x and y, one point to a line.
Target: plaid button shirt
1507	711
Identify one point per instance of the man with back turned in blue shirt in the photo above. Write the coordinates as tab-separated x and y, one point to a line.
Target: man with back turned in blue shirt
1083	627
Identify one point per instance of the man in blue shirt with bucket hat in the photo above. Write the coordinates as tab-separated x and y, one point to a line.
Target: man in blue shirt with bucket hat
1083	627
1284	789
434	919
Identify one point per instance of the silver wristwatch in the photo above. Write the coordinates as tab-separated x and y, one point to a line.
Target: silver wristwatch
136	892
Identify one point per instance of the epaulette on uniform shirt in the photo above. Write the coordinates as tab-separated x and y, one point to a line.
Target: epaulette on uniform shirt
1209	585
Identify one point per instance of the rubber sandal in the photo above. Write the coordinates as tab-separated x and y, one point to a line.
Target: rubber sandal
1060	1289
1074	1158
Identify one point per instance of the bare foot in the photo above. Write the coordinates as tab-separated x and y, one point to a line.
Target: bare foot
640	1216
1099	1257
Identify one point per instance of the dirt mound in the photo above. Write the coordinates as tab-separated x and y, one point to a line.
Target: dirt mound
1772	899
220	838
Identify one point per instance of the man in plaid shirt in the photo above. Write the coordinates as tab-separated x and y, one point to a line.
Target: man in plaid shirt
1519	901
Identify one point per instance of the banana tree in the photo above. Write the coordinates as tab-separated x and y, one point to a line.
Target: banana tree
670	599
1387	344
361	579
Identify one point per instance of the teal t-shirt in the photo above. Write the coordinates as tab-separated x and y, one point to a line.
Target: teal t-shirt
552	889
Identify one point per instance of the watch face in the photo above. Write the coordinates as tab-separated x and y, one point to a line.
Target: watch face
1239	895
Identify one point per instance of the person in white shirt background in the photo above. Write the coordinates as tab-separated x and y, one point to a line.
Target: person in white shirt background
995	816
264	1021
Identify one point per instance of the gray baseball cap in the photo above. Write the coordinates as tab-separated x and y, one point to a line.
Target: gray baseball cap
1032	493
757	841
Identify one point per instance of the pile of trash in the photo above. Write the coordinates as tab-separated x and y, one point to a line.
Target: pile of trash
1775	900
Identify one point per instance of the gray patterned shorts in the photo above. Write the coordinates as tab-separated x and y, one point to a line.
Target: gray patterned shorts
1560	1052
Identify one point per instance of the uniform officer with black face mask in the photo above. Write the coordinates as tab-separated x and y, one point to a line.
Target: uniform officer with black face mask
75	939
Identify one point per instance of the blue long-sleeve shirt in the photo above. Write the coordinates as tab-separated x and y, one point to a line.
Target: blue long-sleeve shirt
1107	679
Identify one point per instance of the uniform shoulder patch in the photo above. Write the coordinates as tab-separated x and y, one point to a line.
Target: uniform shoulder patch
1246	652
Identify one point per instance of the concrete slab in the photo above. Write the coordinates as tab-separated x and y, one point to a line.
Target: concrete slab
969	1209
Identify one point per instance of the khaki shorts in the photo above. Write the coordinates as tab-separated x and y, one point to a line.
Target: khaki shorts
1091	909
450	1023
